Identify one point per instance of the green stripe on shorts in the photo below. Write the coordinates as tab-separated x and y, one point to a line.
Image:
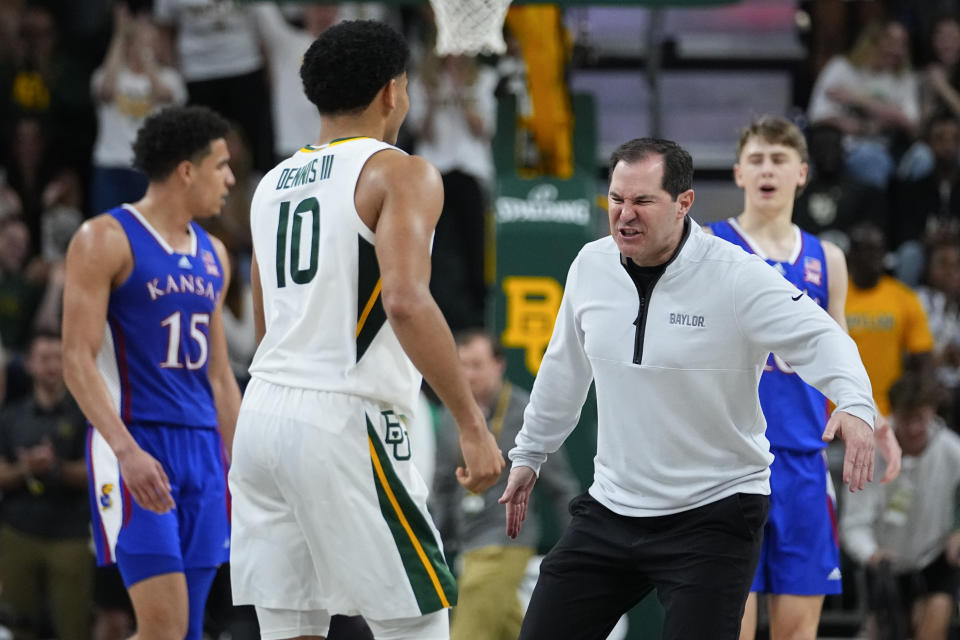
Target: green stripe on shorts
433	585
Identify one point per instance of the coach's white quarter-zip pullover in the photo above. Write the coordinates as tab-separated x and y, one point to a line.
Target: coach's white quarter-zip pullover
679	421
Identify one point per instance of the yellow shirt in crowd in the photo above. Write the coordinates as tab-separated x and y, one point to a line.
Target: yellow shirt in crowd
887	323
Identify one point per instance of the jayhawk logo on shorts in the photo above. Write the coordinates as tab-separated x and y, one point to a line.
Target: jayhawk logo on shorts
105	500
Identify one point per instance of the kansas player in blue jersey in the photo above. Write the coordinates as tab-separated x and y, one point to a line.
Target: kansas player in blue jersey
145	356
799	561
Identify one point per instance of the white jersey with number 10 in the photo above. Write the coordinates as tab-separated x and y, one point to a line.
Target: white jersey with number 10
325	324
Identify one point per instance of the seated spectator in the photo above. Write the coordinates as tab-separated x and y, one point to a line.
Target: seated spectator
908	526
931	203
871	95
45	530
475	525
884	316
833	200
131	85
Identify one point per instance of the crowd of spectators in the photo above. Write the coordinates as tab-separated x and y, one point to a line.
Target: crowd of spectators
78	79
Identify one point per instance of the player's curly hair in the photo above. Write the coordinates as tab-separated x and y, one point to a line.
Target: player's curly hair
349	63
173	135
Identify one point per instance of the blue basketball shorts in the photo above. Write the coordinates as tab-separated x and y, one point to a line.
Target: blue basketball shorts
195	534
800	554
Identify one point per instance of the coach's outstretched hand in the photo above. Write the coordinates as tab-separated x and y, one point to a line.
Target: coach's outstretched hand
482	458
516	496
858	447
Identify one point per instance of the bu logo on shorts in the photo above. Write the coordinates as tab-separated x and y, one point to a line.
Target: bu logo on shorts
396	435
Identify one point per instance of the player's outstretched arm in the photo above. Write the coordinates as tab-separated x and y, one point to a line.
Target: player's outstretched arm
412	198
98	259
226	392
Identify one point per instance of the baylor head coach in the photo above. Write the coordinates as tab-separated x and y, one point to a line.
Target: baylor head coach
674	327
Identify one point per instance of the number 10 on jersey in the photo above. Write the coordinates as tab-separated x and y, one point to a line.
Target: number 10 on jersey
297	274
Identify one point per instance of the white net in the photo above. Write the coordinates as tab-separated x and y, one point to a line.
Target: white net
470	26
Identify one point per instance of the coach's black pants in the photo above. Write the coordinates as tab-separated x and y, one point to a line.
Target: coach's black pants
701	562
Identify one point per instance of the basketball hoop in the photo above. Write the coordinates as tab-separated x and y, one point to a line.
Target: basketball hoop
470	27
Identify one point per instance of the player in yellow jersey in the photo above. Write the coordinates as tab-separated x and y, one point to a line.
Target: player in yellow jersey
329	513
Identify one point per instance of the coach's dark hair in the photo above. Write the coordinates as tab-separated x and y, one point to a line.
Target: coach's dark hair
913	391
173	135
349	63
677	163
467	336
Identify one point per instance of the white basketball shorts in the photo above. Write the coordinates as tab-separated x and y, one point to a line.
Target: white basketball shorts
329	513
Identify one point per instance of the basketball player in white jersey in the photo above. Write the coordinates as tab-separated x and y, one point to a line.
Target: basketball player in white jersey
329	513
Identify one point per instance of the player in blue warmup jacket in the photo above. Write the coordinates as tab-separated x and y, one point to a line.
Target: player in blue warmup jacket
145	356
799	561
